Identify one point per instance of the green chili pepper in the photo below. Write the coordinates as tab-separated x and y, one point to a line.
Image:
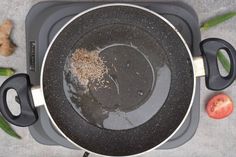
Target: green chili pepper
6	71
224	61
7	128
217	20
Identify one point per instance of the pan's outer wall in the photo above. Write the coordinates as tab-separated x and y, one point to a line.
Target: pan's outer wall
119	142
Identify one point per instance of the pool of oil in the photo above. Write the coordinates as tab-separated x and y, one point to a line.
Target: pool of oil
136	86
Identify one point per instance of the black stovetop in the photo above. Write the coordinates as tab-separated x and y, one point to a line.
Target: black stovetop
46	18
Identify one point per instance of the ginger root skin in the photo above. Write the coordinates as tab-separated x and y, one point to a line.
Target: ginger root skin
7	47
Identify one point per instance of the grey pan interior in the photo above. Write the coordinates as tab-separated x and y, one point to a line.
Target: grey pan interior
139	31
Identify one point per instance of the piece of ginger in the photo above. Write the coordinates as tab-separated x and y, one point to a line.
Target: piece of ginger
7	47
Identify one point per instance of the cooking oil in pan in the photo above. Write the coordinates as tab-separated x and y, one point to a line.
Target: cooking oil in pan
133	92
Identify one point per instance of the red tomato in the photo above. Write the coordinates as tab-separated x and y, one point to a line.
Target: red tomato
219	106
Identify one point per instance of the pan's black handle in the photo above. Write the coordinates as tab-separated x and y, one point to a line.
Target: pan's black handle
28	115
209	48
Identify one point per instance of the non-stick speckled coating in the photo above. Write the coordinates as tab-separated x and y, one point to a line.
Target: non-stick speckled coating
119	142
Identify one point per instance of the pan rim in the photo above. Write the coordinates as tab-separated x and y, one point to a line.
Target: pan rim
132	6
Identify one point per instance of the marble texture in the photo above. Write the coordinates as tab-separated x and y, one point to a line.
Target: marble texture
213	138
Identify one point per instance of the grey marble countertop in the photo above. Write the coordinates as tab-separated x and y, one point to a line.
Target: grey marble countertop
213	138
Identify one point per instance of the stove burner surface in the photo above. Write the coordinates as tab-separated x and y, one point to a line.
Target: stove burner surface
46	18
